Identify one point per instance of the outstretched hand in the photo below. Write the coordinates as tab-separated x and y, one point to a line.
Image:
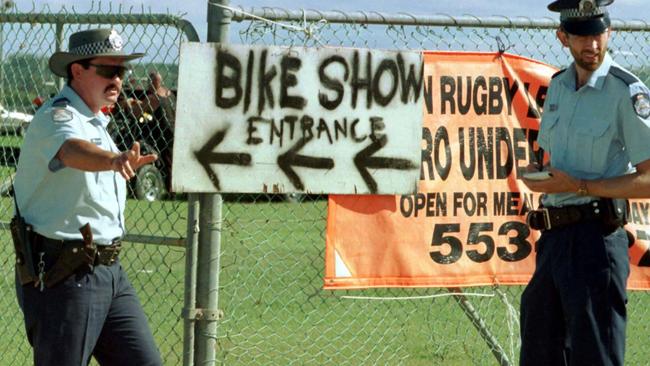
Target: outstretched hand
129	161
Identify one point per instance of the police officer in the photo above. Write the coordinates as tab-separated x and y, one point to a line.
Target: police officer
70	186
596	129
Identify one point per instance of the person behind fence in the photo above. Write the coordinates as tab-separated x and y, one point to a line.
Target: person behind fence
70	193
595	128
160	131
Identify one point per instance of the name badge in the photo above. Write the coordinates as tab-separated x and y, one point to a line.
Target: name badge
96	141
552	107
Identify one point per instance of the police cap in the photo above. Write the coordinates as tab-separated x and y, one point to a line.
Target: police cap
582	17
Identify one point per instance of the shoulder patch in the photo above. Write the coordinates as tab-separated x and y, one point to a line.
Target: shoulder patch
61	115
641	102
627	78
558	73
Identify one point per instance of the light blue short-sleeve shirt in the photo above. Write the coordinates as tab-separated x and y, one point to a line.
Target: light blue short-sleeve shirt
57	200
601	130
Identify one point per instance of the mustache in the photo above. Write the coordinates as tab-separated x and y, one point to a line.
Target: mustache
111	86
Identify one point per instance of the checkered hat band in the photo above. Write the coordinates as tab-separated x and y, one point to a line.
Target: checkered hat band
94	48
576	13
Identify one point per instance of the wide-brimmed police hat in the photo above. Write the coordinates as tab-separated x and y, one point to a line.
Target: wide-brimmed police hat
89	44
582	17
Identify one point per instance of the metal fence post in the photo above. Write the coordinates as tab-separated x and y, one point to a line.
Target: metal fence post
206	313
191	258
207	289
59	48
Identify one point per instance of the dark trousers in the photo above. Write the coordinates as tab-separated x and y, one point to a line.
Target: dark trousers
92	313
573	311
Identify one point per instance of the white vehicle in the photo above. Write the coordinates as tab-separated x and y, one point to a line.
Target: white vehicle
13	123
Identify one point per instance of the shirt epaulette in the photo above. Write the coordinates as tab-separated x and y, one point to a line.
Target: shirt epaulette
60	111
627	78
558	73
61	102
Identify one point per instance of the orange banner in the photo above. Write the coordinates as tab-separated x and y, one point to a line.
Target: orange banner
466	225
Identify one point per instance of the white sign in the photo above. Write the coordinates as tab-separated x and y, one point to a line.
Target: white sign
317	120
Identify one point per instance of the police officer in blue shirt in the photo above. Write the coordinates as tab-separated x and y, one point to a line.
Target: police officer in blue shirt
70	187
596	129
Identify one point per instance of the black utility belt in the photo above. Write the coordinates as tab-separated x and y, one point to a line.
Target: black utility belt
556	217
103	254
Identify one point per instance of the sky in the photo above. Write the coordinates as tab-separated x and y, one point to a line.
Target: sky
195	10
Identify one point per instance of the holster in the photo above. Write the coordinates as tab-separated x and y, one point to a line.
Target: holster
72	258
619	212
22	235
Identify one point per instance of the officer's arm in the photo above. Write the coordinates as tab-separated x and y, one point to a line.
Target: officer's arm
635	185
86	156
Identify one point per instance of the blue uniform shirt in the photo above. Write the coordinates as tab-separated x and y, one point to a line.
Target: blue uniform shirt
597	131
58	200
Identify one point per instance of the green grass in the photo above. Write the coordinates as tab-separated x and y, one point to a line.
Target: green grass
276	312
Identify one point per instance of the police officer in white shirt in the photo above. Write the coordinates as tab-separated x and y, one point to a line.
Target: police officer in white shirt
70	186
596	129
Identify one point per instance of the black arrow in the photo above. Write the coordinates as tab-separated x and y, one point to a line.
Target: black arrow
207	156
364	161
291	158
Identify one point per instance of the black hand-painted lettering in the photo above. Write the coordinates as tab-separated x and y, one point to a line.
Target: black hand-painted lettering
358	82
411	81
365	160
252	138
385	66
332	84
249	80
306	125
288	66
291	158
227	61
207	156
264	84
353	132
376	126
340	127
428	95
291	121
323	128
439	239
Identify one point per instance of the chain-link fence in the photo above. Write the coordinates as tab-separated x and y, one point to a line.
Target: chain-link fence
153	216
272	259
276	311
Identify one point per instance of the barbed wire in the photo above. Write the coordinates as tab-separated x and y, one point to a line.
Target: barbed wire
309	30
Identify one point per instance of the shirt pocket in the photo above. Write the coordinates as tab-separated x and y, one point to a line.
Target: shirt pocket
547	130
591	146
103	188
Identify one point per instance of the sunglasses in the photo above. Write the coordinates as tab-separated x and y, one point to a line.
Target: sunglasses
111	71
